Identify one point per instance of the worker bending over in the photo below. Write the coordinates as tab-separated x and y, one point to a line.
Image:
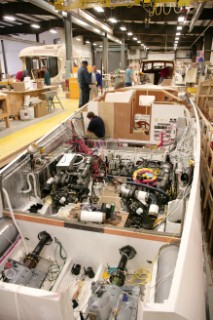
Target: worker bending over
96	127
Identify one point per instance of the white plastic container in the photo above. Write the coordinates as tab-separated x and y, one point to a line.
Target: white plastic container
27	113
24	114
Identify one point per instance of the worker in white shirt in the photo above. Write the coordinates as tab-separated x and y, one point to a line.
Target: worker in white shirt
96	83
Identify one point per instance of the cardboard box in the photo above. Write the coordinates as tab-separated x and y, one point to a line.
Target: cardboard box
40	84
41	109
19	86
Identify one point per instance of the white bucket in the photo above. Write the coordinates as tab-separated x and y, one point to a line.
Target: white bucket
24	114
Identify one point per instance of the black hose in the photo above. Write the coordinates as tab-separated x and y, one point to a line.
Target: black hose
148	187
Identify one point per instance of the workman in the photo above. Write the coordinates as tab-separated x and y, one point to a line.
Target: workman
96	83
84	81
21	74
96	127
47	80
129	76
164	74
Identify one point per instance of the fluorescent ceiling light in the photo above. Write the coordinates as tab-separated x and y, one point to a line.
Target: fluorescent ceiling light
123	28
178	33
78	39
99	9
177	38
181	19
9	18
179	27
96	30
53	31
82	23
35	26
135	38
129	33
100	46
94	44
64	14
87	41
113	20
138	41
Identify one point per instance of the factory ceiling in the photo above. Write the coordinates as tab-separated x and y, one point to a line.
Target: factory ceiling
155	29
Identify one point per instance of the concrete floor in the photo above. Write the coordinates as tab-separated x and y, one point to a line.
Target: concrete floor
22	133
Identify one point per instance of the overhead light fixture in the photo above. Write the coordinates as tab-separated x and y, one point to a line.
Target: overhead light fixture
100	46
97	30
99	9
122	28
64	14
87	41
9	18
94	44
82	23
179	27
113	20
35	26
78	39
138	41
177	38
53	31
181	19
129	33
135	38
178	33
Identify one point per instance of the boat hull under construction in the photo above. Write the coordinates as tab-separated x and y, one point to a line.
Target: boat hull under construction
107	228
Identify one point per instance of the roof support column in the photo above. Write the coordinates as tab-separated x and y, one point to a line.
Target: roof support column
207	46
37	37
68	44
105	54
123	55
4	59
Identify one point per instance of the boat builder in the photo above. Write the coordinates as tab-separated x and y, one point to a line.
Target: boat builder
84	81
129	76
96	83
47	80
96	127
21	74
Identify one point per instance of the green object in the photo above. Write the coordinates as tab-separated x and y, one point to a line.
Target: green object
47	78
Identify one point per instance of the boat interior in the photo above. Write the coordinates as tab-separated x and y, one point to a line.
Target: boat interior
98	218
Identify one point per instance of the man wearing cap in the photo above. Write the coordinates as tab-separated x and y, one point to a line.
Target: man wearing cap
84	81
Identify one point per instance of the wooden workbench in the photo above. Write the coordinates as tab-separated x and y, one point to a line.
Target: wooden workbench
16	98
5	109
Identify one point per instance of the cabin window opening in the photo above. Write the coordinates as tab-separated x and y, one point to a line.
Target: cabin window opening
35	64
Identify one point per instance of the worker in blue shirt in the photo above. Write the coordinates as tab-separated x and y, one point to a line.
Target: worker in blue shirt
96	83
129	76
84	81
